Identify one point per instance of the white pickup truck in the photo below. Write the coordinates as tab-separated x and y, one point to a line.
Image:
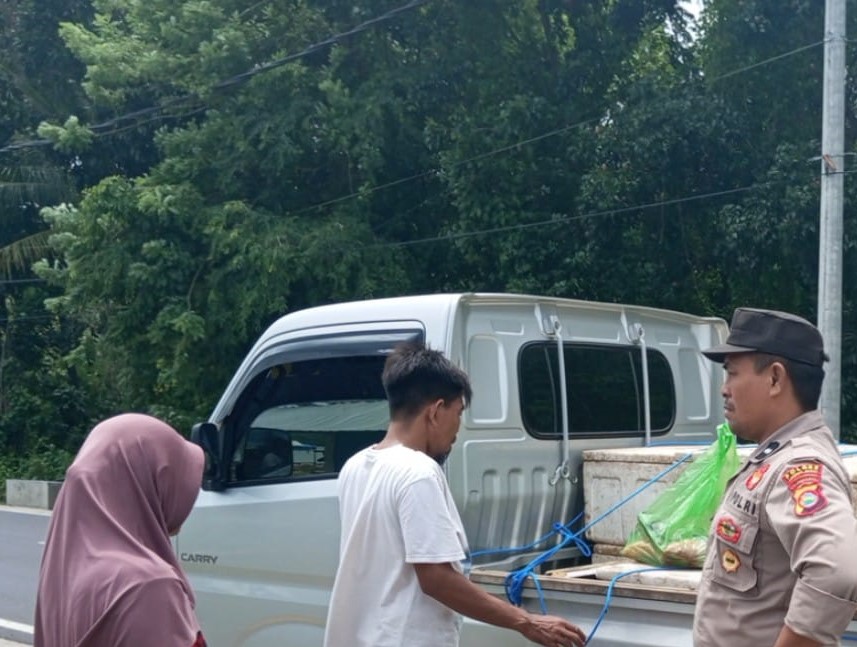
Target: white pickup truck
261	546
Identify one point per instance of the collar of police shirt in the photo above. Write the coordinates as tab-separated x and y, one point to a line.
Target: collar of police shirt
803	424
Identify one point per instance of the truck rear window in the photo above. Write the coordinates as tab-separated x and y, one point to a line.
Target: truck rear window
604	386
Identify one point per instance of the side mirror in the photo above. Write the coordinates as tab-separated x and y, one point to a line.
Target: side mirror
207	436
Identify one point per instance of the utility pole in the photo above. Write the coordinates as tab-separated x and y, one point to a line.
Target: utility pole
830	229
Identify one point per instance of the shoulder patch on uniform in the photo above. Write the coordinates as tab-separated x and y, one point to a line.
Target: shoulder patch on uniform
804	481
756	477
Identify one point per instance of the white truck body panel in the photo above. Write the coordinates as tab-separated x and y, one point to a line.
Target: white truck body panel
262	554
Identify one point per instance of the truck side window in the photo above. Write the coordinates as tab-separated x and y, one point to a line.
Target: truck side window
302	420
604	385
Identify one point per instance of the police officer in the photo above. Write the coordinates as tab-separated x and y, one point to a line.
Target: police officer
781	569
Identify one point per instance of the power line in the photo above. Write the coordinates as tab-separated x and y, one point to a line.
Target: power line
767	61
497	151
18	281
522	226
503	149
552	221
241	78
104	128
26	318
566	219
436	171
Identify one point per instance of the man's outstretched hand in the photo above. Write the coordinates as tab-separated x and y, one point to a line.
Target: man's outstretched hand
552	631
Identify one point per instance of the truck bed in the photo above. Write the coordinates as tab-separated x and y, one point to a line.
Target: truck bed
639	615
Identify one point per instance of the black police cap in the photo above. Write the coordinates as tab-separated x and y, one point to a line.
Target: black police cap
772	332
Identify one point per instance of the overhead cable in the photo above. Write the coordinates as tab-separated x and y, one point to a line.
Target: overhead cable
108	127
530	140
568	219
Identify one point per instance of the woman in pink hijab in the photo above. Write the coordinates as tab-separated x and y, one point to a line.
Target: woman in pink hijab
109	575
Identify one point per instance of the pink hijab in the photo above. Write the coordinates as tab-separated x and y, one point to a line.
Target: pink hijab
109	575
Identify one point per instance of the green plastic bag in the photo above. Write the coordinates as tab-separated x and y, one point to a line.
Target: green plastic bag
673	530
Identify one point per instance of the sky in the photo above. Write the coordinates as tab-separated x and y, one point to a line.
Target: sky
693	6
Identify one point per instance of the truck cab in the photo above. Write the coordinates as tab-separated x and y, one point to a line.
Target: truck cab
551	377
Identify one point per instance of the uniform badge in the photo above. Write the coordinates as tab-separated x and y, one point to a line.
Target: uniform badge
728	530
804	482
730	561
756	477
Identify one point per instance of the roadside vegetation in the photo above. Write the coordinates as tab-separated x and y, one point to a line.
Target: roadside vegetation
175	175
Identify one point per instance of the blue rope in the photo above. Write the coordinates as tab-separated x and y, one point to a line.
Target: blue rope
540	540
521	549
515	580
627	498
514	583
609	598
544	538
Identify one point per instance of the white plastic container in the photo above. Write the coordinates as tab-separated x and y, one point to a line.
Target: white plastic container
609	475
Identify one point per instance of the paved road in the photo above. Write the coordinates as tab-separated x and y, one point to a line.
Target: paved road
21	535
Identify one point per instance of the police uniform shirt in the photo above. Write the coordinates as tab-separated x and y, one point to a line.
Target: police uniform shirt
784	545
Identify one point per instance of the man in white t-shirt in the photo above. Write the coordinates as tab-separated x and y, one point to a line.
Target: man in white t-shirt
400	581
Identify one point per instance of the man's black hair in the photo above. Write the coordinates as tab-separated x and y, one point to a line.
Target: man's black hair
415	375
806	378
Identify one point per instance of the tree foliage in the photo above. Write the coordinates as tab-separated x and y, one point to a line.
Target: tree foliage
587	149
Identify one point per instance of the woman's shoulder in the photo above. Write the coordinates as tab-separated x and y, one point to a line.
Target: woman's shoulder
124	579
157	610
164	597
